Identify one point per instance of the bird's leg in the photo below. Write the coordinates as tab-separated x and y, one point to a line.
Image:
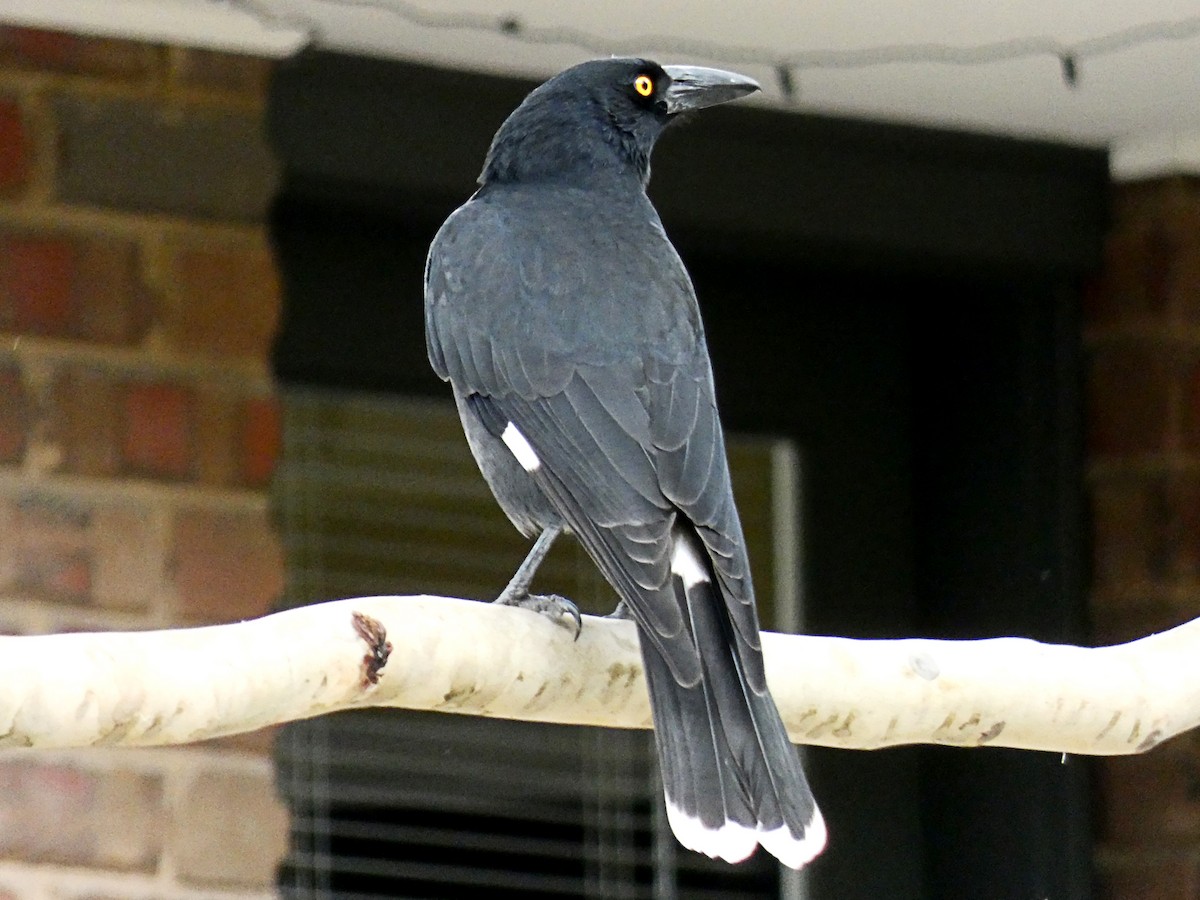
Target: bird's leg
517	591
518	585
621	612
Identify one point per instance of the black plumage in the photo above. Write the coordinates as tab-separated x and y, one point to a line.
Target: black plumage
568	328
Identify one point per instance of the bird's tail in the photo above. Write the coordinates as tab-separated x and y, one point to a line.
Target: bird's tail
731	776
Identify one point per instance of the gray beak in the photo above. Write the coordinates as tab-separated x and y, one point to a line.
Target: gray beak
695	87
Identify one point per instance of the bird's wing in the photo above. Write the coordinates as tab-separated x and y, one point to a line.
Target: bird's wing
693	473
615	399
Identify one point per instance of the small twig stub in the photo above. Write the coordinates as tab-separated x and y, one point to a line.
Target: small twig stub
379	648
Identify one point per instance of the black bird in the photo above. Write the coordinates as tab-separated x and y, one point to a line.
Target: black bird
566	324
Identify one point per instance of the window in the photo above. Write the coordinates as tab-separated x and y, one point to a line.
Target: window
379	495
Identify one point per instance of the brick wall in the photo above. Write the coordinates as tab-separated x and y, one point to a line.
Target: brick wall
138	431
1143	383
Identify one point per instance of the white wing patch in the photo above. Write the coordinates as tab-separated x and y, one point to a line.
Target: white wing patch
686	563
520	448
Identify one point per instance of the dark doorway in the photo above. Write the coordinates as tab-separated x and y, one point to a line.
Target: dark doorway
937	418
901	304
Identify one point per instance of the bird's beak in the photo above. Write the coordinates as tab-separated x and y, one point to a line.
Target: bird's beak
695	87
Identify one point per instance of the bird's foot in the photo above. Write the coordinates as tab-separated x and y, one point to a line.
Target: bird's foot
552	606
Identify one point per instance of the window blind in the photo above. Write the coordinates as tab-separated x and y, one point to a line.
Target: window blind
378	494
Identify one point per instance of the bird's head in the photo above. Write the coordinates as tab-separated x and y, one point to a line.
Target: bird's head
602	116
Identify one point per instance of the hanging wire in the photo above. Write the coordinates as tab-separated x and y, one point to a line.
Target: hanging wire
787	83
513	28
1070	70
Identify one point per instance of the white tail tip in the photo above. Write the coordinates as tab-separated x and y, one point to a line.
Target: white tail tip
734	843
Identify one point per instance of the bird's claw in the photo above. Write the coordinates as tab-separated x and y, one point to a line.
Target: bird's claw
550	605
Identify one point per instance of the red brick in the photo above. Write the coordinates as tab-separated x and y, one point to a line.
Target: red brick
1127	518
150	155
15	414
158	430
1123	615
229	829
1183	525
1184	286
47	546
14	147
1146	528
36	278
216	439
62	286
56	813
85	422
1153	800
227	566
1191	410
1136	202
229	72
261	440
1155	877
1152	260
60	51
66	577
111	302
1155	200
129	557
227	301
9	553
1129	395
238	439
1134	283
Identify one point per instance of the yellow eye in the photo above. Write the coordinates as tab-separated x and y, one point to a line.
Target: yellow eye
644	85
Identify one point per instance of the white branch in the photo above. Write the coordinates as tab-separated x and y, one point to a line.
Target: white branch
172	687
